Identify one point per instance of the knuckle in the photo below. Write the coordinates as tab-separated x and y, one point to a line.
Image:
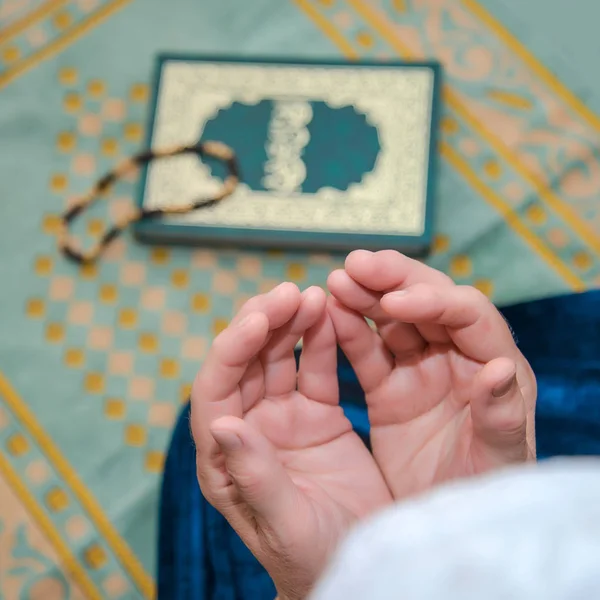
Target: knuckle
251	490
251	484
474	296
446	279
248	306
427	293
472	307
202	474
389	253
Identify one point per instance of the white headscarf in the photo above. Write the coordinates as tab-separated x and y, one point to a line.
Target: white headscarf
527	533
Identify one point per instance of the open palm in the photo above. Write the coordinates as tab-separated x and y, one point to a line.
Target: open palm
448	392
275	453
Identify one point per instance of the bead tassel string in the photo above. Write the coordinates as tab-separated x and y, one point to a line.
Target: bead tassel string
212	149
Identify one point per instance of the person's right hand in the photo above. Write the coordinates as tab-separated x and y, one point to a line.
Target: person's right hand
448	392
275	453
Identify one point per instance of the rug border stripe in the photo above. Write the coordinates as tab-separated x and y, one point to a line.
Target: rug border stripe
511	217
535	64
41	12
122	551
60	43
562	209
67	558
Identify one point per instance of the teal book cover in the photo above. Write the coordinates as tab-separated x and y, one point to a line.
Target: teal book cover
332	155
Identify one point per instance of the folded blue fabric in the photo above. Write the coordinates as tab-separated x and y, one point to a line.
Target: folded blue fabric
201	558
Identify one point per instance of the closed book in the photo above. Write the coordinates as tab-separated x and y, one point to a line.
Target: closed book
332	155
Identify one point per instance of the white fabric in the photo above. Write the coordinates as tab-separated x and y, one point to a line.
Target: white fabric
530	533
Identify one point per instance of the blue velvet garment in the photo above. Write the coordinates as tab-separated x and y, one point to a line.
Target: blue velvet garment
201	558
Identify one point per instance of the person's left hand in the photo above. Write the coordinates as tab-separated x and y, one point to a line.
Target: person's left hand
448	392
275	453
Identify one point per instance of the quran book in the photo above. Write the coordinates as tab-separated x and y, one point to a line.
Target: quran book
332	155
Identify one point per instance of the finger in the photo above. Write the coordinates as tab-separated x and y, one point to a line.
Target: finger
317	372
498	411
279	305
229	356
389	270
400	338
364	349
471	320
215	391
256	476
277	358
252	385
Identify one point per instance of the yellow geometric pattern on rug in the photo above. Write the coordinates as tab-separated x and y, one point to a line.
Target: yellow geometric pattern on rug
48	512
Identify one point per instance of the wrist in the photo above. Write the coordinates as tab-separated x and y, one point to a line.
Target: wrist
283	596
294	583
290	595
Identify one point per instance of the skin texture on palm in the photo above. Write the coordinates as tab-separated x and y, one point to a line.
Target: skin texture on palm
448	392
275	453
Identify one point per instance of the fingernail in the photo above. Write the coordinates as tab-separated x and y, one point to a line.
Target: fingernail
227	440
246	320
504	387
397	294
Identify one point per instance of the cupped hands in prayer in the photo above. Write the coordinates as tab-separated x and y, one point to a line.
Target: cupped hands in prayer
448	393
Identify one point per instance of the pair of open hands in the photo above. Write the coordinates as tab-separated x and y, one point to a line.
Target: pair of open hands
449	395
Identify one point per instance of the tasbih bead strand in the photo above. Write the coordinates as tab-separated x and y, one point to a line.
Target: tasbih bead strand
212	149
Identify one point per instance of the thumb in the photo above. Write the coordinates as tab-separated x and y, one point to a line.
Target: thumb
498	411
257	474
